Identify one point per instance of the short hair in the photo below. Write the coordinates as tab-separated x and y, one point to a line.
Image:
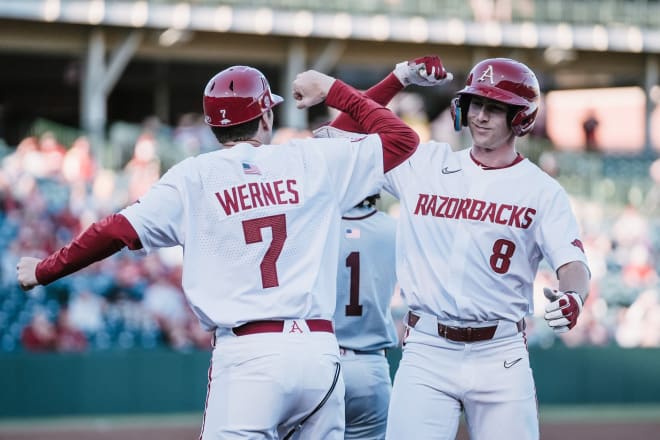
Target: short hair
240	132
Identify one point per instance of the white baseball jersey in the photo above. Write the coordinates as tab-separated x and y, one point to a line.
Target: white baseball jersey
254	224
497	226
366	280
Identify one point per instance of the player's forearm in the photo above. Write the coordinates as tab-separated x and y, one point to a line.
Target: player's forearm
382	93
399	140
574	277
97	242
385	90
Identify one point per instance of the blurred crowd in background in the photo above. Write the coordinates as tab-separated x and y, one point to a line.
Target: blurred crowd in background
50	191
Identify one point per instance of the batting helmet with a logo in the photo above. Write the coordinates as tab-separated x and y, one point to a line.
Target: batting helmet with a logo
503	80
237	94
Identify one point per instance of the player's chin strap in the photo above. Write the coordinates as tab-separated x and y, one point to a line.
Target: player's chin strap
319	406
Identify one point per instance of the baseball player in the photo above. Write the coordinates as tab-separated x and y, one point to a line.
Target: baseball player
473	227
366	280
258	270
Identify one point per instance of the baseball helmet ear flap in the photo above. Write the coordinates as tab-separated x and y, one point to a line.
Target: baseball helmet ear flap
459	109
523	121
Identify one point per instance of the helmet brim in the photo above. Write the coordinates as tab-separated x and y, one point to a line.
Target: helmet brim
277	99
496	94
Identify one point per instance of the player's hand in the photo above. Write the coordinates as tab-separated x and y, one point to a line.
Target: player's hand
26	272
563	311
311	88
424	71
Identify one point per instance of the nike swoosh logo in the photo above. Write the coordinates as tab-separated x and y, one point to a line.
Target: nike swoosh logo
446	170
508	364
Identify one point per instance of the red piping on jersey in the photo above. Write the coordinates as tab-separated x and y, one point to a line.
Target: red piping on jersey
97	242
399	141
362	217
519	158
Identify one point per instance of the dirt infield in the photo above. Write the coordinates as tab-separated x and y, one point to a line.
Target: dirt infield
599	423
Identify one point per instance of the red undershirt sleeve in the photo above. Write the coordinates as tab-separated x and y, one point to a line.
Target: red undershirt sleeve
97	242
399	140
385	90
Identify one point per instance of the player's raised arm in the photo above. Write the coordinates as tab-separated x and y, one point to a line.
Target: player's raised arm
97	242
425	71
399	141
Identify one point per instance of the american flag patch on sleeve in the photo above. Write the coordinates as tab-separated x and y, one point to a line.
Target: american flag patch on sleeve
352	233
249	168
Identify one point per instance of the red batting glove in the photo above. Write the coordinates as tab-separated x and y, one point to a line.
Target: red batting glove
424	71
563	311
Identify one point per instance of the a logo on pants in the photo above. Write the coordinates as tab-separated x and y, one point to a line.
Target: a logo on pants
295	328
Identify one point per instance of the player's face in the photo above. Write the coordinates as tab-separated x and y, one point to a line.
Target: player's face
487	123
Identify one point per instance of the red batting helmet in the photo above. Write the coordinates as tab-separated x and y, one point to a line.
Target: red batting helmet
504	80
237	94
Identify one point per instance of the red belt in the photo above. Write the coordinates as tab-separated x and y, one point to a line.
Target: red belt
464	334
250	328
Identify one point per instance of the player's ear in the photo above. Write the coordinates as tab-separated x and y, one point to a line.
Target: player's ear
267	120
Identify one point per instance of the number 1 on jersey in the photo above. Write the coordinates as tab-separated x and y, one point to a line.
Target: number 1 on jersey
353	308
252	232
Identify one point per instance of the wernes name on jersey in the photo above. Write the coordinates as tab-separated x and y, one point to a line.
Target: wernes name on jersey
258	195
474	209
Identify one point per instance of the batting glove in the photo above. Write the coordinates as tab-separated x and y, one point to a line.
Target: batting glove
424	71
563	311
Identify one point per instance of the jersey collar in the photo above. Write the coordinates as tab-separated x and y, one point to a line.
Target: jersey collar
519	158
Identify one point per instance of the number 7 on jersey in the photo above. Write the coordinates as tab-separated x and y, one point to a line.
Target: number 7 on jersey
252	232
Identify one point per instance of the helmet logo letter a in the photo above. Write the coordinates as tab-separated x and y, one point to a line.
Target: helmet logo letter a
488	73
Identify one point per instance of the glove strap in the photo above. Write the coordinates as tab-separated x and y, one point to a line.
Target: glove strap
402	72
579	297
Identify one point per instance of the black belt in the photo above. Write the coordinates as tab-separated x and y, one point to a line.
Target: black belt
464	334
